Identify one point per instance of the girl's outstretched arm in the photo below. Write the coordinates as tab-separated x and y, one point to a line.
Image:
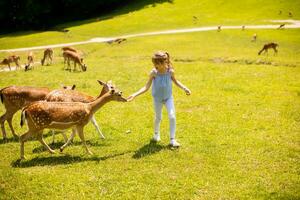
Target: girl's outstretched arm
180	85
143	89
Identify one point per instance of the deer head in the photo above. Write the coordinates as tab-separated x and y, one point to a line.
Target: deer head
113	90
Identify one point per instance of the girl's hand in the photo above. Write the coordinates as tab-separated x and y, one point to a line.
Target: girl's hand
130	98
187	91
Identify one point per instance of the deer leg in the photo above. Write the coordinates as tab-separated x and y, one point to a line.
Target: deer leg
81	135
75	66
9	66
23	139
53	136
69	140
93	120
41	140
65	136
9	120
2	120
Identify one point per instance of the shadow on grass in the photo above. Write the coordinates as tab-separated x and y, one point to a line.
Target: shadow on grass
57	145
63	23
8	140
148	149
61	160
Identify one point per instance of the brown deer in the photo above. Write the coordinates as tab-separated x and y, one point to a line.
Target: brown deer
48	54
15	98
69	49
30	61
63	115
271	45
69	55
11	59
254	37
63	95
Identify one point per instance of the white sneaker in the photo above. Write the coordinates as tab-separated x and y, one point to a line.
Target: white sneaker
156	138
174	143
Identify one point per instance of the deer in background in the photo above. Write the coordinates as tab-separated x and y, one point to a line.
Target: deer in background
15	98
11	59
75	96
63	115
271	45
30	61
70	55
69	49
48	54
254	37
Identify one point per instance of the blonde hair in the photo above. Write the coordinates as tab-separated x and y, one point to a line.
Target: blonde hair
161	57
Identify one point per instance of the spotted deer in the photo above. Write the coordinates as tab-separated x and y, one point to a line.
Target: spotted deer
70	55
15	98
48	54
10	59
30	61
271	45
63	115
75	96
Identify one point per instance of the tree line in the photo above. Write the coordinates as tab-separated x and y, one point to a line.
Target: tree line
44	14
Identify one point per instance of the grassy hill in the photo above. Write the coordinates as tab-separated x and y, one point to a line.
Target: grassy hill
239	129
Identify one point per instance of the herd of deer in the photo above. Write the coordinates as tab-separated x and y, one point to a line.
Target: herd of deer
69	54
60	109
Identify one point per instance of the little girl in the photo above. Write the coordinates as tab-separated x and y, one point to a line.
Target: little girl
162	76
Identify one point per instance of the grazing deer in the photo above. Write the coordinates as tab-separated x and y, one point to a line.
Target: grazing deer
254	37
48	54
271	45
30	62
10	59
63	115
69	55
69	49
15	98
63	95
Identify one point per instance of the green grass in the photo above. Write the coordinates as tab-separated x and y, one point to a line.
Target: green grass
239	129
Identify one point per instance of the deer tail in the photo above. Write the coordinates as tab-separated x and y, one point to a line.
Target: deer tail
23	117
2	95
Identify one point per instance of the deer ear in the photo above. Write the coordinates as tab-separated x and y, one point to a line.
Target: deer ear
101	82
73	87
109	82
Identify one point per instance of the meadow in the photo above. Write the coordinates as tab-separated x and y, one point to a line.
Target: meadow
239	130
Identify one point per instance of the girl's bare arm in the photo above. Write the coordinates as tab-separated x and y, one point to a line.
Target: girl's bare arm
180	85
143	89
